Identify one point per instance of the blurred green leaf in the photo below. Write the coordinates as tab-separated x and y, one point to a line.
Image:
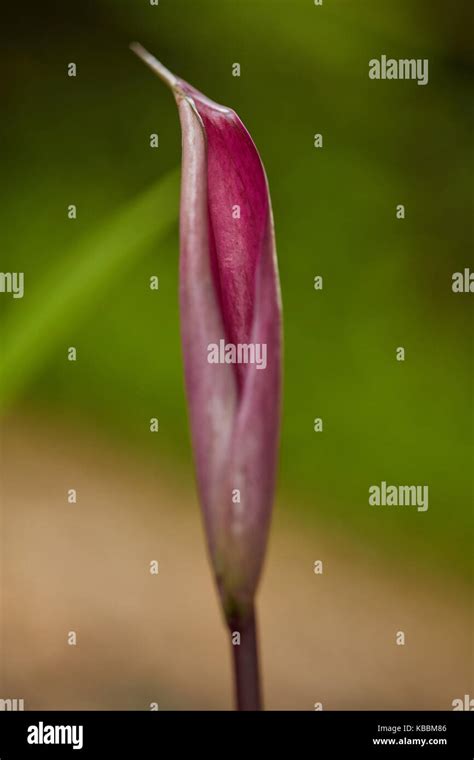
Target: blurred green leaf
65	295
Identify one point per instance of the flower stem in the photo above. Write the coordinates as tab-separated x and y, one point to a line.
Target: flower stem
246	669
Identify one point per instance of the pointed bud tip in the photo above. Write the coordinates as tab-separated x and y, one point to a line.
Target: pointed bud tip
181	89
154	64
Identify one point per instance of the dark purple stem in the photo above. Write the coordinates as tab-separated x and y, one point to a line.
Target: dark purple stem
246	670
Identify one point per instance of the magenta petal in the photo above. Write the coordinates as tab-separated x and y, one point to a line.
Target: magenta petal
236	181
229	291
211	388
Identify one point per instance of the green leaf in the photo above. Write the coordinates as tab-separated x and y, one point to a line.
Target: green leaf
66	295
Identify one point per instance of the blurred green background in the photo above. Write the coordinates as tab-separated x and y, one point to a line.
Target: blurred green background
387	282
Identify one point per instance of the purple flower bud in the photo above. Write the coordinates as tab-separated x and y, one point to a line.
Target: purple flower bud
231	334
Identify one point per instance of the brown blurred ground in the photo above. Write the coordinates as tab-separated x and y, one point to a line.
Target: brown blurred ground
144	638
